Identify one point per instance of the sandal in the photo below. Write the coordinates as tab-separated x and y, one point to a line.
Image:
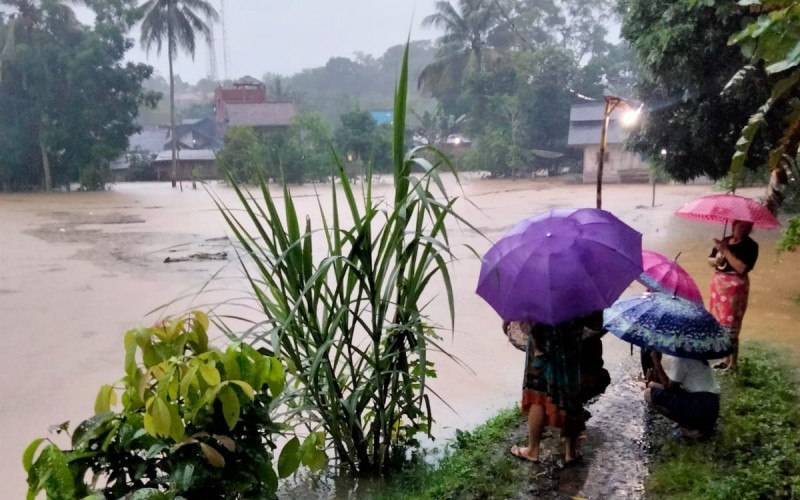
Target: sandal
517	452
721	366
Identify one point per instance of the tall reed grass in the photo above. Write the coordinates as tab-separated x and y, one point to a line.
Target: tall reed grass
352	324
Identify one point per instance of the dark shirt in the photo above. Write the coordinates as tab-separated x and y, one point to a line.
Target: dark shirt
746	251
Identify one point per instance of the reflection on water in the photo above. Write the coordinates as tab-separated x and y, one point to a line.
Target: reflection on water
77	270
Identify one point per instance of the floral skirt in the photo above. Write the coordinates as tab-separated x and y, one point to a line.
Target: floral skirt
553	378
729	293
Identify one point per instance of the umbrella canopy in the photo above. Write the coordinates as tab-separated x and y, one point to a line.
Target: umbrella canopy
668	324
662	274
724	208
560	265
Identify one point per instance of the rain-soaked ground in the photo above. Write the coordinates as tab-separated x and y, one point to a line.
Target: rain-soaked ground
79	269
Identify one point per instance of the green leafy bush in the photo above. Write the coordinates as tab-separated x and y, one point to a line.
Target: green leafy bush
193	420
790	236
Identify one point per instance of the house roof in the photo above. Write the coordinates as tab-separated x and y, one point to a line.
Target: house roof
187	155
586	124
248	81
593	111
265	114
150	139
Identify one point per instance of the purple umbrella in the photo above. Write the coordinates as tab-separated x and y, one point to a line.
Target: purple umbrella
560	265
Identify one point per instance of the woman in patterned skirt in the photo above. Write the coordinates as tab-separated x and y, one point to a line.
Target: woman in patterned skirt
553	392
732	258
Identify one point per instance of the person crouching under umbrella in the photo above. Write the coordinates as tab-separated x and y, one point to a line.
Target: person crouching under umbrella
553	388
687	394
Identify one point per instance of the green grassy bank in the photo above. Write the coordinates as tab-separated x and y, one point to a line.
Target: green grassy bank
479	466
756	451
754	454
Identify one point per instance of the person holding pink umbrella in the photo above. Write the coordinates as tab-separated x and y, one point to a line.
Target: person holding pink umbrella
732	258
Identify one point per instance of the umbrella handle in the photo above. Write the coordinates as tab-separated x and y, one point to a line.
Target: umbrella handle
725	229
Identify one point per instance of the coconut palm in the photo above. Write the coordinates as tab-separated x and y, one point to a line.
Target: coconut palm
464	46
175	23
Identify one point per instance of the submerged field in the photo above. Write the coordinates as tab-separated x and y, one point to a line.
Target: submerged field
77	270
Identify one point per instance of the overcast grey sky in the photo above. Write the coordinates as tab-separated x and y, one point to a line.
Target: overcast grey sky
286	36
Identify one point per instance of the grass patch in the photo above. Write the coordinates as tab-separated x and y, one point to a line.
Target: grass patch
755	452
477	465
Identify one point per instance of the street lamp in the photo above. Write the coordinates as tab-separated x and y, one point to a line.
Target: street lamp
628	118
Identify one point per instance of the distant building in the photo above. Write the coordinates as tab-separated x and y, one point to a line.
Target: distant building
149	141
246	104
382	116
194	134
197	163
585	128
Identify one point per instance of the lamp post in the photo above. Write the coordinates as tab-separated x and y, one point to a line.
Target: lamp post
630	117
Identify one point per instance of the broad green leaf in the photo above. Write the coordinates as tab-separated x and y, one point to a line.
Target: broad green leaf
289	460
311	453
181	477
213	456
161	417
267	474
106	397
230	406
174	386
200	331
148	425
210	374
276	378
232	371
188	380
245	387
130	353
176	427
92	428
30	451
56	477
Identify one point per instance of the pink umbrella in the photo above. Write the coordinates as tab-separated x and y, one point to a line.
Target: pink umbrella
662	274
725	208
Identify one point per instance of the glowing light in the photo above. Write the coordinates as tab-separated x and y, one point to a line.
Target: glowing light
631	116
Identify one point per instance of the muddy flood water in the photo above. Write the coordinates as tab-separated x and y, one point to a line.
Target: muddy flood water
79	269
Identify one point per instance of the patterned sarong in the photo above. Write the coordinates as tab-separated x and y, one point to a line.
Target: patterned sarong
729	292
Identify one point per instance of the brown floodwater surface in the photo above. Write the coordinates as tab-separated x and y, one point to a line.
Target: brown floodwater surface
79	269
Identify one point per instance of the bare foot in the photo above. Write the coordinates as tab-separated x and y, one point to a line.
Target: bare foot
525	453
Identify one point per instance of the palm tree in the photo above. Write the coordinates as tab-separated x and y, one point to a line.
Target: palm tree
464	46
175	22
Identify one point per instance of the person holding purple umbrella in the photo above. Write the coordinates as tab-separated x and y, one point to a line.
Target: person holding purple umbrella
554	387
732	258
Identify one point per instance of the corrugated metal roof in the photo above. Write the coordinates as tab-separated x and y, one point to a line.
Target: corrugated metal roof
593	111
150	139
266	114
188	155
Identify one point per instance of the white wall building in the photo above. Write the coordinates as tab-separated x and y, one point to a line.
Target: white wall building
585	128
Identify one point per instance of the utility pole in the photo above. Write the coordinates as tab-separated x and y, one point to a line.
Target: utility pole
224	39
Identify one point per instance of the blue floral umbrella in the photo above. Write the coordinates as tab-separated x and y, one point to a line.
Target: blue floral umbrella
667	324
